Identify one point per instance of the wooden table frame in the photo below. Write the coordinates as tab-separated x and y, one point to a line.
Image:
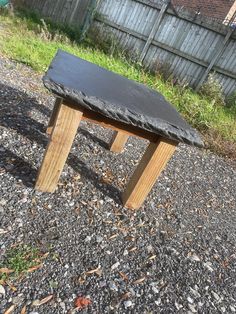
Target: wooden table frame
62	127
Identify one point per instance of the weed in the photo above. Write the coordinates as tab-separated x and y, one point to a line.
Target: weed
231	100
212	90
19	260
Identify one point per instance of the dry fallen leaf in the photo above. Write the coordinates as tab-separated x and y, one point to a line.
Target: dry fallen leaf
6	271
10	310
31	269
13	288
152	257
43	301
82	279
123	276
113	236
23	311
126	295
138	281
132	249
45	255
82	302
96	271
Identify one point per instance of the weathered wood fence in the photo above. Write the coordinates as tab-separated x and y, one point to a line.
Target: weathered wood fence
71	12
181	44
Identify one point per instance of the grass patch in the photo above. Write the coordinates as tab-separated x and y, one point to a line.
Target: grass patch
20	260
27	40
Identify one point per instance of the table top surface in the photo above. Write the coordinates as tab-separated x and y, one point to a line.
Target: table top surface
116	97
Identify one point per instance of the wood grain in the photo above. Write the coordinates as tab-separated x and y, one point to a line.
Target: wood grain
62	136
152	163
127	129
118	141
53	117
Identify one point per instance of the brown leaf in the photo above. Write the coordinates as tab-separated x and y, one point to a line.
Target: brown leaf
45	255
138	281
82	302
113	236
31	269
132	249
6	271
123	276
10	310
130	238
13	288
23	311
126	295
43	301
82	279
96	271
152	257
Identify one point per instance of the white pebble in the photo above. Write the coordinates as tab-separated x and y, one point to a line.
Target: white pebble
158	302
208	266
155	290
178	306
116	265
128	304
3	202
190	300
192	308
194	257
2	290
215	295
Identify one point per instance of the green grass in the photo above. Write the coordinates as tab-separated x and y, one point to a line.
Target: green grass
19	260
22	39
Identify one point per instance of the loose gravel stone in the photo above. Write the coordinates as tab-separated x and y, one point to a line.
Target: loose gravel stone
128	304
182	240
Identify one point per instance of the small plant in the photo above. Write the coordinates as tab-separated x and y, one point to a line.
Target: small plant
231	100
212	90
19	260
46	34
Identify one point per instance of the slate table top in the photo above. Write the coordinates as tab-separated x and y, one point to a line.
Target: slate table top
116	97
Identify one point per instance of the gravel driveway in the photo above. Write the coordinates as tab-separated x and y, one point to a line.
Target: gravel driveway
174	255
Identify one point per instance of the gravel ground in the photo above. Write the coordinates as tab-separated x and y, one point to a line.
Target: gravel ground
174	255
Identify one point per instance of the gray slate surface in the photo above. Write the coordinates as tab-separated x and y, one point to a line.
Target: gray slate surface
116	97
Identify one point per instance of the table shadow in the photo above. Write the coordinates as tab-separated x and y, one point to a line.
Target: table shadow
16	111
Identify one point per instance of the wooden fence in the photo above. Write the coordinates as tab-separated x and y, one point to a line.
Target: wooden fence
178	43
71	12
187	47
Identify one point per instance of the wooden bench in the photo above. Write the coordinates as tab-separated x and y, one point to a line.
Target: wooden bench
88	92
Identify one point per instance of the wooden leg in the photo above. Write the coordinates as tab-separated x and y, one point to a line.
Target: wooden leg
61	139
53	117
152	163
118	142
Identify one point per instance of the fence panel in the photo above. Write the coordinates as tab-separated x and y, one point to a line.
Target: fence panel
183	45
177	43
72	12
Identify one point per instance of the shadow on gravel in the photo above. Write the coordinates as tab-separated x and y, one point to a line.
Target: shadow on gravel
93	138
17	167
16	111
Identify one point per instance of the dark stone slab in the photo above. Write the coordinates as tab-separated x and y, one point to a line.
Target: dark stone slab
116	97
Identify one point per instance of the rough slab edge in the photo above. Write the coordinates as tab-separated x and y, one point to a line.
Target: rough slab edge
124	115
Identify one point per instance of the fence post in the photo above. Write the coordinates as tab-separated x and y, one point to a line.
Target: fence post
154	29
88	18
215	58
